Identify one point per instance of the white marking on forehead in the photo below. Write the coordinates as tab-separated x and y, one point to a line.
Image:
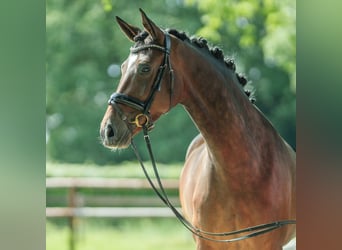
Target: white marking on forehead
130	69
131	60
135	58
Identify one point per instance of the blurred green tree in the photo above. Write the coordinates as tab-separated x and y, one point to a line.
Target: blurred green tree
85	49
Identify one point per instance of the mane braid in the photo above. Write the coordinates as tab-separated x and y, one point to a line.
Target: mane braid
200	42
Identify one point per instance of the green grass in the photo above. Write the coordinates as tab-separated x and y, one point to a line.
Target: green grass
101	234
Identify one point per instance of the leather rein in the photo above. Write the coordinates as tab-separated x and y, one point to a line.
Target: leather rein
144	107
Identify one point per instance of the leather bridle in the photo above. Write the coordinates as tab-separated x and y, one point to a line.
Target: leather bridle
144	107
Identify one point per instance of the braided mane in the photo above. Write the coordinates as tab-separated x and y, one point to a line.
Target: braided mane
214	51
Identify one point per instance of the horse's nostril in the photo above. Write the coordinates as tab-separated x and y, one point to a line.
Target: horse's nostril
109	131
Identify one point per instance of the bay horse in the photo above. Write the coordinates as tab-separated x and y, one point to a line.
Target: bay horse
238	171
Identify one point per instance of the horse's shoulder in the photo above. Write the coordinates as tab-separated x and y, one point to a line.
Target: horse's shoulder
196	142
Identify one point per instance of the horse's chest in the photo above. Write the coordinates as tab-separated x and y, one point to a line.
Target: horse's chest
200	191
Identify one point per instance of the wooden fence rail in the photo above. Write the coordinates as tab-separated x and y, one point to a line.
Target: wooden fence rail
122	183
139	206
112	212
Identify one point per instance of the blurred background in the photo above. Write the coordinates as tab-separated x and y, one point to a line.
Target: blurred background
84	51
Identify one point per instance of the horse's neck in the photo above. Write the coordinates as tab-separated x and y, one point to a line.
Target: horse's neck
234	130
223	116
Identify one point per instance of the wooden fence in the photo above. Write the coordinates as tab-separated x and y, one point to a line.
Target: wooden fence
116	205
139	206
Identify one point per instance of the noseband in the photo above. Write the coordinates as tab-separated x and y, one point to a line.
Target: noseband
144	106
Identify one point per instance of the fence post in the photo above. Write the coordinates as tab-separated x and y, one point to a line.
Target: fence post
72	219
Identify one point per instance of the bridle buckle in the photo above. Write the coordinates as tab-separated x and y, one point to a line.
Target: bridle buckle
138	118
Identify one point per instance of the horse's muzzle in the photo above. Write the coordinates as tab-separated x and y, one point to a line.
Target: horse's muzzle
109	132
115	135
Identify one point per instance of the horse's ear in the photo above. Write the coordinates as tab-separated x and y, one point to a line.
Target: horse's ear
130	30
156	33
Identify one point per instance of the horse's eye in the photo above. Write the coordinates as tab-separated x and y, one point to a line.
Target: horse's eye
144	68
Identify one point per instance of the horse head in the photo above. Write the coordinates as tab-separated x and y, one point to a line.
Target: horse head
145	89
